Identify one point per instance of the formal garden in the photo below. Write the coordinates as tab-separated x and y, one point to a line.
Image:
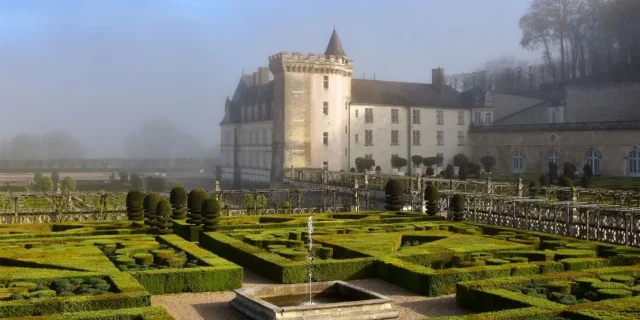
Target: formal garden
494	259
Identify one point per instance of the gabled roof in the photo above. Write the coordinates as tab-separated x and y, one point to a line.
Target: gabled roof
404	94
335	46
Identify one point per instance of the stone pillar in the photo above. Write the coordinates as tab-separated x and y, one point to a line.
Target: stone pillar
423	186
355	197
574	194
520	187
292	173
366	181
217	186
488	186
324	175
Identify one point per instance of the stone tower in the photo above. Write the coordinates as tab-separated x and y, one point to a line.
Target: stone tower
310	107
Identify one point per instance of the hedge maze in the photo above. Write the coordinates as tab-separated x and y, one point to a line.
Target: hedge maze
102	271
496	272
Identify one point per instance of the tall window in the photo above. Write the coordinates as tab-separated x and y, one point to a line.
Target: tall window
592	158
517	164
326	82
356	113
345	129
440	138
395	118
325	164
325	108
477	118
415	117
325	138
416	137
440	117
552	156
368	137
461	138
487	118
633	159
368	115
394	137
460	117
356	137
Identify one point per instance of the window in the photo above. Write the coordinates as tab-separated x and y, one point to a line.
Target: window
477	118
552	156
325	164
368	137
460	117
487	118
368	115
440	116
634	163
326	82
440	138
325	138
356	113
416	137
395	118
345	152
394	137
368	156
441	155
592	158
461	138
345	129
325	108
356	137
517	164
415	117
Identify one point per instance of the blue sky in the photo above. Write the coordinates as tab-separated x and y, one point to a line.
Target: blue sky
100	68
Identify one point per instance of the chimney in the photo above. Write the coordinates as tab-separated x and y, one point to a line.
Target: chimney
255	79
437	79
263	75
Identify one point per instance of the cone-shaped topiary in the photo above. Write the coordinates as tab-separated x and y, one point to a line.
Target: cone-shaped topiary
211	214
432	197
394	195
564	181
194	204
456	205
134	206
178	200
585	182
149	204
163	222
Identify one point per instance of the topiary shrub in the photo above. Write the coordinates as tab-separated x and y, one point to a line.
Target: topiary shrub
194	204
543	180
143	259
456	205
378	169
135	210
449	172
488	162
585	182
149	204
569	170
394	195
587	171
462	173
565	182
352	169
163	222
178	200
430	172
534	189
553	172
432	198
211	213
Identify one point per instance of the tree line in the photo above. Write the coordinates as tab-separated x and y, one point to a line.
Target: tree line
577	39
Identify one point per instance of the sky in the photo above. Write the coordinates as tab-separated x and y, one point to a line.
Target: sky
100	69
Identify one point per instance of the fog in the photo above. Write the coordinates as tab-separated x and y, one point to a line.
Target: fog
149	78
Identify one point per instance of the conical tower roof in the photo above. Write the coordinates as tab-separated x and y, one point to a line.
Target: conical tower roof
335	46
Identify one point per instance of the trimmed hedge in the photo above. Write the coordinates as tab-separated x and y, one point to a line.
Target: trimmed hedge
178	200
215	274
194	204
143	313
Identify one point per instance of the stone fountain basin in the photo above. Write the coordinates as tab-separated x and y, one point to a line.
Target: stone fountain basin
354	303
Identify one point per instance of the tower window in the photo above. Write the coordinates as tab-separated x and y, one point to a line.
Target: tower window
326	82
368	115
416	137
325	108
440	117
460	117
325	138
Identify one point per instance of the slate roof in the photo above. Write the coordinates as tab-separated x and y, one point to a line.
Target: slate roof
404	94
335	46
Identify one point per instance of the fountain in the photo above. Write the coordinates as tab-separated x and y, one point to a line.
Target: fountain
312	300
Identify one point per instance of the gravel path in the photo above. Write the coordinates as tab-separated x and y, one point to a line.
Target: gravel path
214	306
